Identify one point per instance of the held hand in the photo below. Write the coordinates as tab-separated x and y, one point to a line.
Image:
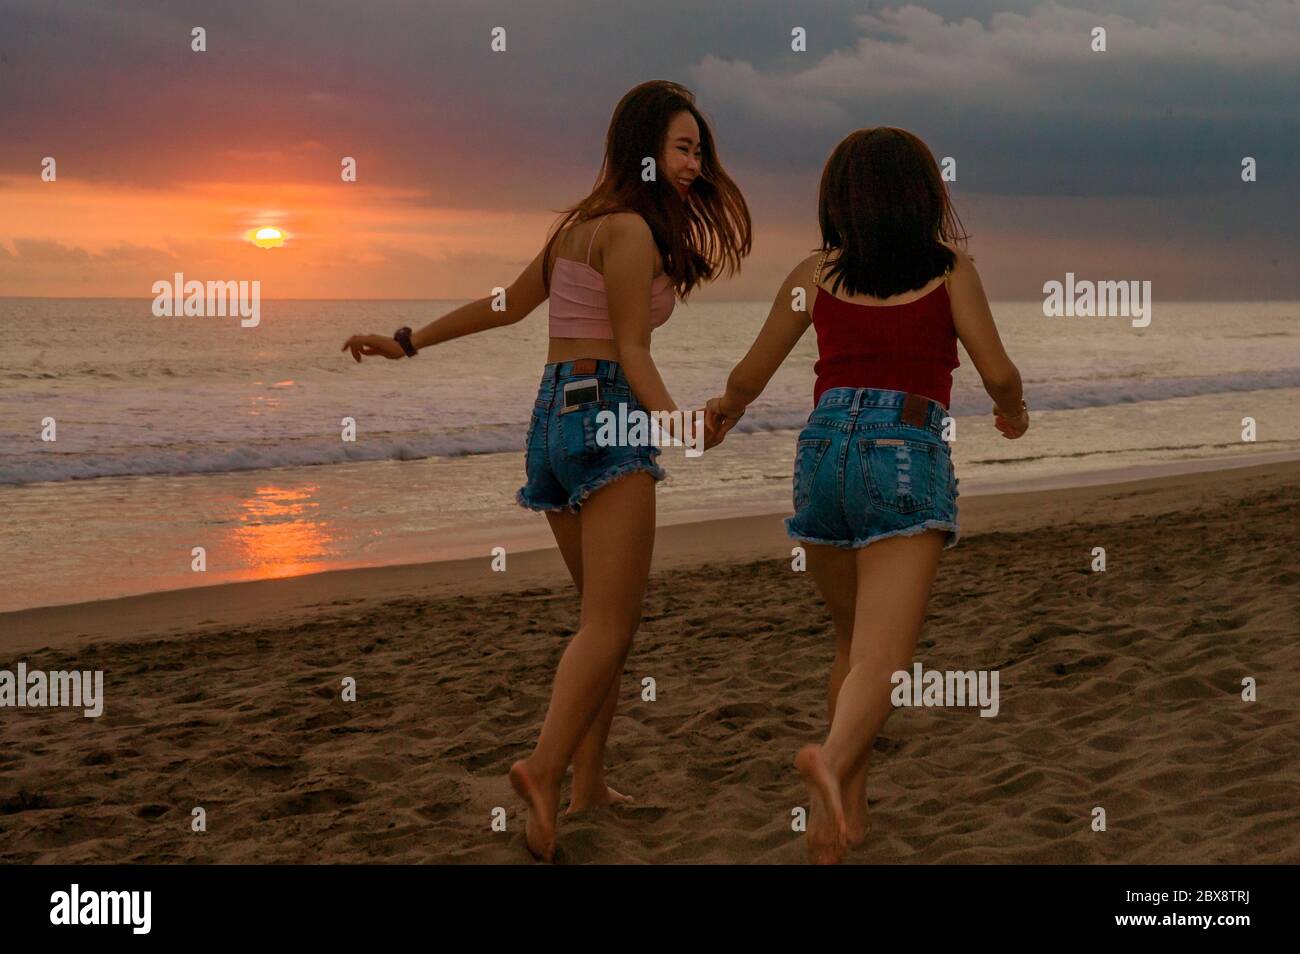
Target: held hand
374	346
1011	427
717	422
695	436
708	437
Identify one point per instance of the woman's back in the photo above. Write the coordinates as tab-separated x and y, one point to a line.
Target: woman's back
906	343
579	304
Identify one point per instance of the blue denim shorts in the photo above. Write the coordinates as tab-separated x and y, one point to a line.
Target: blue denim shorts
564	460
861	474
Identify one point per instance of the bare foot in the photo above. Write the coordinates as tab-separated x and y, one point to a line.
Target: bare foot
579	803
827	834
856	819
539	831
853	796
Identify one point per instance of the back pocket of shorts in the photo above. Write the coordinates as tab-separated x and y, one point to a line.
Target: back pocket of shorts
580	427
807	458
899	474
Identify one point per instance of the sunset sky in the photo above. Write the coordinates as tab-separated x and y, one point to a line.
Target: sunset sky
1117	165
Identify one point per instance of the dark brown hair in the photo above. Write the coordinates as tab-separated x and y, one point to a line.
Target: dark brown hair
698	237
884	209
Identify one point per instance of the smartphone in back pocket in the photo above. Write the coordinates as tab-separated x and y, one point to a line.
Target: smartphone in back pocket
577	393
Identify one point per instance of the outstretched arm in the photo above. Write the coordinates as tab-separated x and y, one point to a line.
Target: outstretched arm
979	335
780	333
524	294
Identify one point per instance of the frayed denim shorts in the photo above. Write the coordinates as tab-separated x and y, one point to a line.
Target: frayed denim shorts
862	473
567	458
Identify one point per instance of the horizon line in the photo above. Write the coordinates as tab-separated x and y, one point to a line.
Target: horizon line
720	301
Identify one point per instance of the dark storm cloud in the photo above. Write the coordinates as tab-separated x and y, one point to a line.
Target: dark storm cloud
412	90
1014	86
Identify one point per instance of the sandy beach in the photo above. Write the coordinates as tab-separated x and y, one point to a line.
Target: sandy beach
1120	690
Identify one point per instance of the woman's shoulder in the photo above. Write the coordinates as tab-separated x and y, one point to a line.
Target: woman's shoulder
962	260
630	232
808	271
586	239
624	224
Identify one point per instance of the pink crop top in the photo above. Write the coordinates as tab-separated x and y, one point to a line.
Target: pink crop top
579	307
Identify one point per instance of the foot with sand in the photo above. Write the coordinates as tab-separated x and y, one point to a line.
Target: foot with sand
857	819
542	799
580	801
827	834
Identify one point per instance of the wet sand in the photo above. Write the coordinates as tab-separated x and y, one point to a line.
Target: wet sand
1119	690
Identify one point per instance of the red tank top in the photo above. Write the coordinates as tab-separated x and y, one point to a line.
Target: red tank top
910	347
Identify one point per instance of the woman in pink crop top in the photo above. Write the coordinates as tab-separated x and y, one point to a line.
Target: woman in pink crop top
889	295
663	217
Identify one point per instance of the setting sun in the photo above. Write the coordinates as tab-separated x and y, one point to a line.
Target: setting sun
267	237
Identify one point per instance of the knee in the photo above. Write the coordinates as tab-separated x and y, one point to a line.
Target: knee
617	630
869	655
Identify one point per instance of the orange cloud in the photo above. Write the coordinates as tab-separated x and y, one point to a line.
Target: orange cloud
347	240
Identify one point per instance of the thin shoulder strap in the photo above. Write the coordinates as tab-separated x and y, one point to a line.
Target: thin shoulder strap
817	272
592	240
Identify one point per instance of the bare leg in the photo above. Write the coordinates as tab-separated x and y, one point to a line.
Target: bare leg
836	572
589	787
618	524
894	580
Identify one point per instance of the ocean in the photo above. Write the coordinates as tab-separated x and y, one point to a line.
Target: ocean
176	433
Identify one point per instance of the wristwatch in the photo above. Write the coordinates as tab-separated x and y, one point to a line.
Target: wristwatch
403	337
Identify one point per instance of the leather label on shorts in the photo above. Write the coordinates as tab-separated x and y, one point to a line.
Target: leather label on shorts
584	366
891	441
914	410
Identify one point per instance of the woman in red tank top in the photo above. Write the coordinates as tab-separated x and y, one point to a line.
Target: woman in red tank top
889	295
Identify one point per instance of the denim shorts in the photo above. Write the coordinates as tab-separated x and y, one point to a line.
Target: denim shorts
564	460
862	474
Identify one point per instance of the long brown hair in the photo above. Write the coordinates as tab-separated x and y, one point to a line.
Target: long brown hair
884	207
699	237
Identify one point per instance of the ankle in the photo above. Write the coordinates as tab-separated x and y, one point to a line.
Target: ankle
836	766
587	783
542	775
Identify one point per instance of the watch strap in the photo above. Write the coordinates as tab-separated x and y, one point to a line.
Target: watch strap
403	337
